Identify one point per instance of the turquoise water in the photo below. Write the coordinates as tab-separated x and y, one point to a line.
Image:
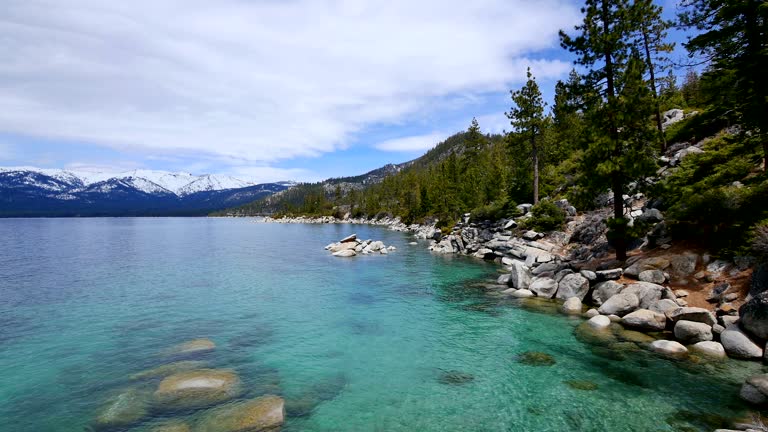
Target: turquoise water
404	342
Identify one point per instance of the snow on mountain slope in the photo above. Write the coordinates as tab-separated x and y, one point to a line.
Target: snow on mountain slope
211	183
148	181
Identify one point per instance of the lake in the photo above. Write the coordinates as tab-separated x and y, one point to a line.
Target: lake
409	341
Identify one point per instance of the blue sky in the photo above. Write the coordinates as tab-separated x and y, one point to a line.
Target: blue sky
263	90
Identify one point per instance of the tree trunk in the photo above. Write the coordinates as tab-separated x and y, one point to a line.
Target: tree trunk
620	242
620	228
649	60
535	173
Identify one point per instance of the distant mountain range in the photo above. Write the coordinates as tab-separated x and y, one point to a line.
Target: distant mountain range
27	191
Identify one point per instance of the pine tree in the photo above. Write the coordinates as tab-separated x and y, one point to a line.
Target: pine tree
567	122
527	118
605	46
691	89
474	141
733	36
653	34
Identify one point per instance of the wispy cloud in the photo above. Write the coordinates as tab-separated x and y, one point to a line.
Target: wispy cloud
261	81
412	143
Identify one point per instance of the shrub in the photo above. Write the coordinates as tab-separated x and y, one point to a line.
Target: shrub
494	211
696	127
704	204
546	216
445	224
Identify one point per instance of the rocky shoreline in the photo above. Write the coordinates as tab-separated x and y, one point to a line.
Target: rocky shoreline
648	293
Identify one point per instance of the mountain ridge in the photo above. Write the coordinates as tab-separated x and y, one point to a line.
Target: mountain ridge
31	191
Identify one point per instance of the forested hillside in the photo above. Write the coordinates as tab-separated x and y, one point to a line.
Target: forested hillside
605	135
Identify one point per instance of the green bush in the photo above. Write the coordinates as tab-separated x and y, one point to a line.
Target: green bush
546	216
445	224
494	211
705	204
697	127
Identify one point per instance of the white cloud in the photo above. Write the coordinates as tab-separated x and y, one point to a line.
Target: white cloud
411	143
495	123
256	81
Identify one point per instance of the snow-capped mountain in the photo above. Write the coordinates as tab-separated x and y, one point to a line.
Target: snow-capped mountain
28	191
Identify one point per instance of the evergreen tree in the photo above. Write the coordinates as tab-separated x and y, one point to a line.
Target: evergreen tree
567	121
472	161
604	46
691	89
653	34
734	38
670	94
527	118
474	141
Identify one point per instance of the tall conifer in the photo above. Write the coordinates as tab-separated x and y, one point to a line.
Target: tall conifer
606	48
734	38
527	117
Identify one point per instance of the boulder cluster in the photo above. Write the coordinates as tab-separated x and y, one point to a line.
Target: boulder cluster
184	384
636	297
350	246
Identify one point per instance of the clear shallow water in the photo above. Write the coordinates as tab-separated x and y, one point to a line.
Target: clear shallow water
359	344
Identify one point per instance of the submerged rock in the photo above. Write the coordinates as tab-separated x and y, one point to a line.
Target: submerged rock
535	358
523	293
755	390
572	306
171	426
261	414
347	253
634	336
599	321
581	385
454	377
592	333
193	347
163	371
305	403
198	388
123	410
